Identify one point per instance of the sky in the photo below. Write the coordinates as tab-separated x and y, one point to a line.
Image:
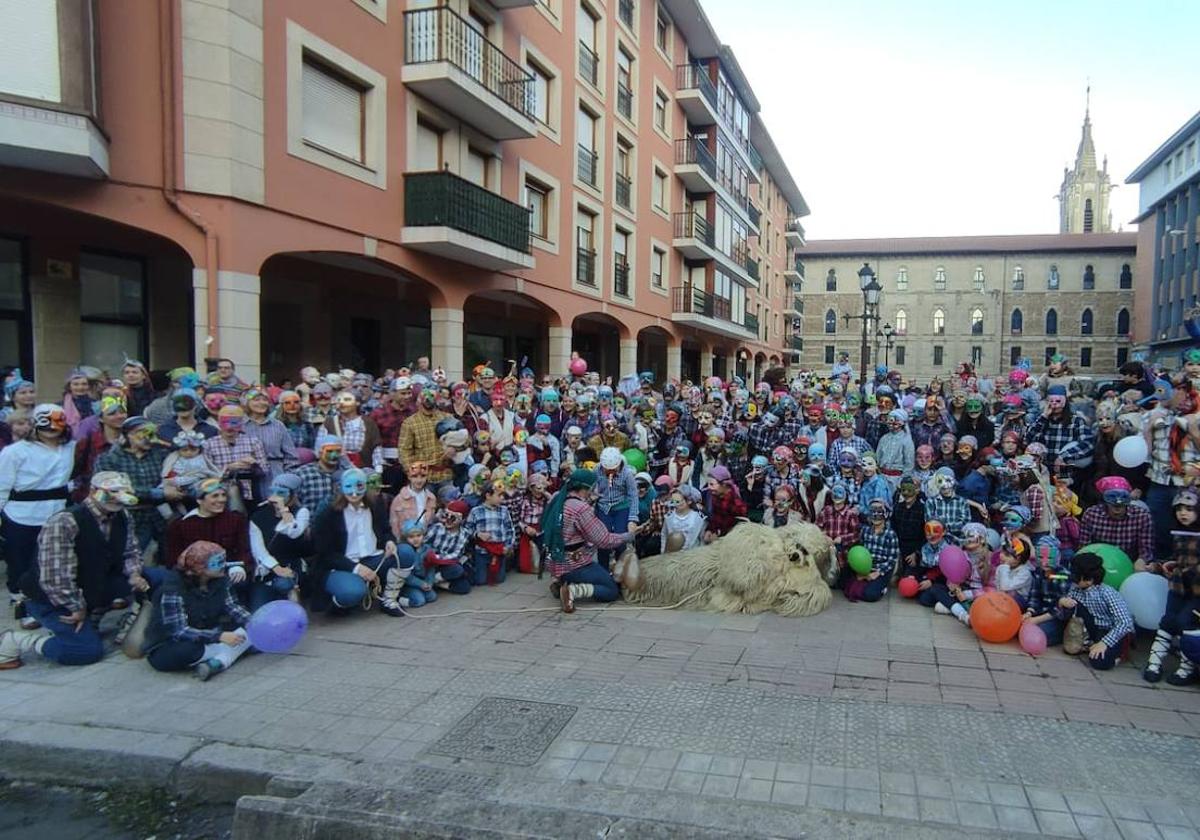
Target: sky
956	117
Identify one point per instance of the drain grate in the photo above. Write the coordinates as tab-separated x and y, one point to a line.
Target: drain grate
506	731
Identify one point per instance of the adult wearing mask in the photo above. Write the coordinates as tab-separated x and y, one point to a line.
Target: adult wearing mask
359	434
617	500
418	442
1069	439
212	520
185	416
140	457
139	390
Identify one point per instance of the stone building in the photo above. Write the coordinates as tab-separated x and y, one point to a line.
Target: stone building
992	300
1083	196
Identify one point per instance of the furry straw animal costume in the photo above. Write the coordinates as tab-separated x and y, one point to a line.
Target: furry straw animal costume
753	569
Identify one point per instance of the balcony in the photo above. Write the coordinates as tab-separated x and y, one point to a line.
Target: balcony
754	213
794	304
454	66
622	194
751	266
795	343
513	4
794	272
693	237
620	276
50	108
587	165
589	64
695	166
585	266
794	234
697	308
460	220
624	101
696	94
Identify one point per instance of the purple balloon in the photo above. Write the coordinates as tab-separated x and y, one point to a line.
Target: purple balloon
277	626
954	564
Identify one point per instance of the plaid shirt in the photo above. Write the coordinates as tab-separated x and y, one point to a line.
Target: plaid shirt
496	522
658	514
1108	611
582	529
952	512
841	526
316	486
853	444
773	480
723	511
418	442
764	438
316	415
145	472
175	618
884	547
57	563
924	434
390	419
617	493
1071	442
530	509
446	543
304	436
223	454
1133	533
1046	589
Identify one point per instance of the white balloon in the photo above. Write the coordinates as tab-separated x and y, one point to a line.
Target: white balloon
1131	451
1146	595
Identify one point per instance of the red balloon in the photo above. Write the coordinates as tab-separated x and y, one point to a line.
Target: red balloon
995	617
908	587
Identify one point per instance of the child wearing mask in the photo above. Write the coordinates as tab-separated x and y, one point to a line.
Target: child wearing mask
879	539
839	521
1014	575
1181	597
683	527
449	541
1098	620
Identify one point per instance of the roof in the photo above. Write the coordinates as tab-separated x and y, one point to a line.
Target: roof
776	166
1163	151
1052	242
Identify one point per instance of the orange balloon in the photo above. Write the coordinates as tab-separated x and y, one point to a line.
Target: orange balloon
995	617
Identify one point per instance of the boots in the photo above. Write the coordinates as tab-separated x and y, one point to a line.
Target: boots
15	643
26	621
1184	675
131	635
390	601
1158	650
569	592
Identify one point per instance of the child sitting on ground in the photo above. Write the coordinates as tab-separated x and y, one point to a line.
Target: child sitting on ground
1014	576
879	539
418	587
449	541
683	527
1097	617
932	588
783	509
839	521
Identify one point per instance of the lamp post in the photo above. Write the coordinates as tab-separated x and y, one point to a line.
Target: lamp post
886	334
871	291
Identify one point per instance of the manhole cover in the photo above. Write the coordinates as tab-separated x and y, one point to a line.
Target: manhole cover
504	730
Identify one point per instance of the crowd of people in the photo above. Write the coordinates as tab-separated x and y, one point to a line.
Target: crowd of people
190	502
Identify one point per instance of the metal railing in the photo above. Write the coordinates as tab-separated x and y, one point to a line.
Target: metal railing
587	165
589	64
692	226
692	150
625	11
795	342
695	77
751	267
621	276
798	305
754	213
794	226
623	192
799	267
755	158
624	101
442	198
585	266
751	322
689	299
439	34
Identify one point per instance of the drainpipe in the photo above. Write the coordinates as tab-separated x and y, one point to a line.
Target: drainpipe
170	33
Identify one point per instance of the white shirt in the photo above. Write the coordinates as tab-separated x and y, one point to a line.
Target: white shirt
26	465
1017	581
420	499
263	561
691	525
360	533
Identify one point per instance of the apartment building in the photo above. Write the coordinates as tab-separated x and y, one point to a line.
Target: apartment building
359	182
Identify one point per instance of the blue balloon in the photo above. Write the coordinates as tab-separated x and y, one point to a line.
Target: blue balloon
277	626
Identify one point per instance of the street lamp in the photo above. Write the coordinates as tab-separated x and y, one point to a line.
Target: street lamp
886	334
871	291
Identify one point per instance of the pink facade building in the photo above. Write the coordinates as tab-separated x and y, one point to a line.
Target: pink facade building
359	182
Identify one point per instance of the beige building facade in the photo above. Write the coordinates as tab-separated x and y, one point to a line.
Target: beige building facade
991	300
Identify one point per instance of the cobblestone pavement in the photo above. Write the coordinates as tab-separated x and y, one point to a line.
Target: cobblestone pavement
877	710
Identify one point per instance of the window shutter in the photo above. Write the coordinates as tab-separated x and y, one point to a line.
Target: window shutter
29	49
332	112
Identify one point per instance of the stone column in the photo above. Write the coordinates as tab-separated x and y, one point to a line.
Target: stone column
674	361
238	333
446	341
560	350
706	362
629	348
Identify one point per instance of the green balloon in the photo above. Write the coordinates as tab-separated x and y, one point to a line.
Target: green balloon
1117	565
860	560
636	459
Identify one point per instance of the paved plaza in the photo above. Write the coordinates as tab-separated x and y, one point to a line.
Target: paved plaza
866	719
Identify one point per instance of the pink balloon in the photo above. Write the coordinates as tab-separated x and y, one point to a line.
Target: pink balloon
1032	639
954	564
578	367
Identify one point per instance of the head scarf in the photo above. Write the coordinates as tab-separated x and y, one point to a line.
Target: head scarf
552	518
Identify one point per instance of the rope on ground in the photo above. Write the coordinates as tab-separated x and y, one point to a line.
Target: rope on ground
580	608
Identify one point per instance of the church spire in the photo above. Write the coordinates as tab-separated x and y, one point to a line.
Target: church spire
1085	157
1083	196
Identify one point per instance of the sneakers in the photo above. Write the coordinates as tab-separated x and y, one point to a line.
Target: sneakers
391	608
941	609
208	668
126	624
15	643
22	615
1074	637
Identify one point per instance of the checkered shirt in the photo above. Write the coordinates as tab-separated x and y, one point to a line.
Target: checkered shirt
494	521
952	512
1133	533
316	486
1071	442
144	473
418	442
530	509
855	444
175	618
884	547
1046	589
446	543
223	454
841	526
1108	611
389	420
773	480
57	563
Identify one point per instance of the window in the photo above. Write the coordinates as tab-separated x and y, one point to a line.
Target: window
589	61
1051	350
1052	282
662	31
476	166
624	168
939	279
901	322
1126	281
1051	322
831	281
977	322
427	156
939	322
1014	355
902	279
540	92
1085	357
14	308
830	321
585	247
585	133
1016	322
621	263
658	267
625	12
829	353
661	189
1123	322
1018	279
624	84
937	355
977	280
332	111
660	110
537	199
31	68
1087	216
112	309
976	355
1122	356
1089	279
1085	322
900	354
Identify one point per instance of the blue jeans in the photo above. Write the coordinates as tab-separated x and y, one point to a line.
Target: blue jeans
1053	630
270	588
20	549
71	644
483	559
1158	498
348	589
617	522
604	588
456	578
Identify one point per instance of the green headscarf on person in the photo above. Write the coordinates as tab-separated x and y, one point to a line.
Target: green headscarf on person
552	517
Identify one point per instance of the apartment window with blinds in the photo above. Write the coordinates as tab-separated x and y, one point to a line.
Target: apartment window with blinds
427	156
537	199
333	111
658	267
661	189
540	93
